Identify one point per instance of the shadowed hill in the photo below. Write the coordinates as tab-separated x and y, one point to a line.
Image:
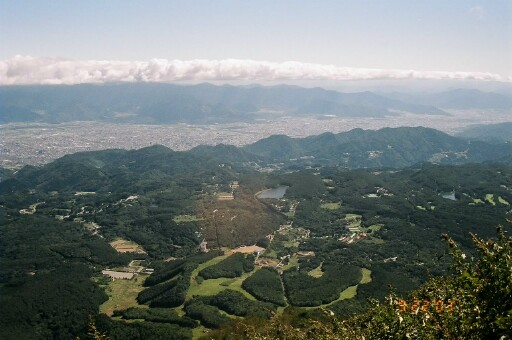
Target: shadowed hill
157	103
388	147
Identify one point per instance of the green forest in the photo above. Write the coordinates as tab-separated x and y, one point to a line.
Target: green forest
197	253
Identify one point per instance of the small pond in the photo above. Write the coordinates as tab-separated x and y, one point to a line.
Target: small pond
275	193
450	196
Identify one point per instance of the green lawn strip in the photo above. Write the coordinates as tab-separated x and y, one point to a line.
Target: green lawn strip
502	200
375	227
317	272
354	220
351	291
290	244
330	206
349	217
294	262
186	218
237	284
367	276
490	198
123	294
199	332
215	286
194	286
348	293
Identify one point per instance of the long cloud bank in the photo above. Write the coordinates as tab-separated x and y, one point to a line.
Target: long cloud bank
33	70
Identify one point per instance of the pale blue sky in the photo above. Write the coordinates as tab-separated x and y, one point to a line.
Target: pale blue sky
454	35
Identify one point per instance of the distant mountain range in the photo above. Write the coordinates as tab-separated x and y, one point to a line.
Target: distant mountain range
462	99
157	103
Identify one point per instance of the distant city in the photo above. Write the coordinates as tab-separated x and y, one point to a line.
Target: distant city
35	144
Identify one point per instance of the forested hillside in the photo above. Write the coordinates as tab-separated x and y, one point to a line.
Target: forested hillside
152	242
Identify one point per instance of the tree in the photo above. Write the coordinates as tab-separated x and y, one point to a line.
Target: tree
475	302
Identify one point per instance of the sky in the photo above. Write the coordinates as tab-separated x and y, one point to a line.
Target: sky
94	41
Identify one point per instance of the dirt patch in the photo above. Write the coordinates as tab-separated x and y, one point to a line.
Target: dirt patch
247	249
124	246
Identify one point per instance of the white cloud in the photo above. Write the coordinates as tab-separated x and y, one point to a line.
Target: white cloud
33	70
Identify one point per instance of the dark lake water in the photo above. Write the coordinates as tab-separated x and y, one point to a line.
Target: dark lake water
273	193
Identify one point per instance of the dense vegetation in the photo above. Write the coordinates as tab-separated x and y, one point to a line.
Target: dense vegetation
304	290
233	266
50	305
266	285
472	303
336	239
235	303
209	316
166	315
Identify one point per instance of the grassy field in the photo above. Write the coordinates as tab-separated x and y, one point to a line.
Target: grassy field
490	198
375	227
290	244
214	286
351	291
502	200
186	218
122	294
330	206
317	272
199	332
348	293
367	276
294	262
353	219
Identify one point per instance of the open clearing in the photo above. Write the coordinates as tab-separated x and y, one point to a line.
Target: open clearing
375	227
247	250
186	218
502	200
367	276
293	262
490	198
122	294
125	246
330	206
317	272
348	293
354	220
214	286
351	291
